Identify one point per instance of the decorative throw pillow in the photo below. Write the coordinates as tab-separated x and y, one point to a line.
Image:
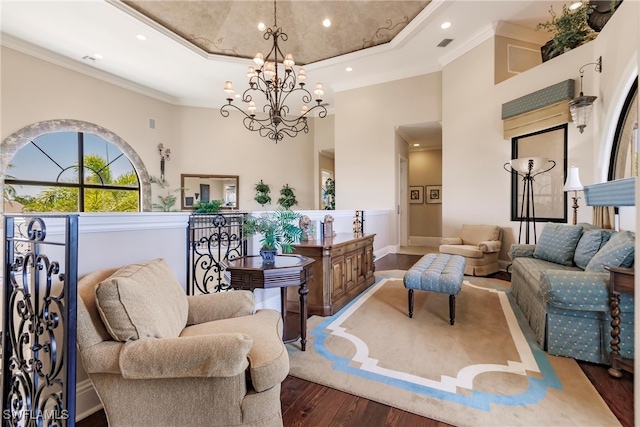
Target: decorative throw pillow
588	245
619	251
142	300
557	243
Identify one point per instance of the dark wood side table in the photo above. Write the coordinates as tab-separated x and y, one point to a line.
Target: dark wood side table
249	273
621	281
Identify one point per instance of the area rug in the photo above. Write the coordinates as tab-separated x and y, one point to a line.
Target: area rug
486	370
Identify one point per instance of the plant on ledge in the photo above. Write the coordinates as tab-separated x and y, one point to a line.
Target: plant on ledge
168	200
569	30
210	207
277	228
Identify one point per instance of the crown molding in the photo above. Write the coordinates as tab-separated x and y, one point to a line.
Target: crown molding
39	52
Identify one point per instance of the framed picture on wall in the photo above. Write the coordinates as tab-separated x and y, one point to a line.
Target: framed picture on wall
416	194
434	193
546	199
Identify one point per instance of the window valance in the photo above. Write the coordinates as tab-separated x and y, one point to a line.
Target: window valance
539	110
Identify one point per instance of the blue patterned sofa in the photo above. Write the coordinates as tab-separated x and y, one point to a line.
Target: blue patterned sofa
561	285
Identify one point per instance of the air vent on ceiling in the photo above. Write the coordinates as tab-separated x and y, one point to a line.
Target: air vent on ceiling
444	42
89	58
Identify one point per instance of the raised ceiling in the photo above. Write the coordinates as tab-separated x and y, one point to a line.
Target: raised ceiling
230	28
168	67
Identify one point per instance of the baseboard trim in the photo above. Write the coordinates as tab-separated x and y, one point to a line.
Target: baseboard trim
87	400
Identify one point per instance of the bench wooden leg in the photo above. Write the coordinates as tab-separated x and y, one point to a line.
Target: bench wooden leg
452	309
410	303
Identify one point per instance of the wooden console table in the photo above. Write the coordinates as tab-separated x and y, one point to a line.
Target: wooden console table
249	273
343	269
621	281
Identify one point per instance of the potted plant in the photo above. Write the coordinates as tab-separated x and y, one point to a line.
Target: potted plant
167	200
210	207
278	230
288	198
262	193
569	30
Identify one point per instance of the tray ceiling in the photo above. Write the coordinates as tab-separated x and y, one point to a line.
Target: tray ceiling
230	28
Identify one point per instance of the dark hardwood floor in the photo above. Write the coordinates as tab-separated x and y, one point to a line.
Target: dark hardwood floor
312	405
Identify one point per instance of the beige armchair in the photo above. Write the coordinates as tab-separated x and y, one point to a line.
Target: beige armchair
479	244
159	357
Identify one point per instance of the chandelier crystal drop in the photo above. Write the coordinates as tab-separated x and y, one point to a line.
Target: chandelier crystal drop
273	77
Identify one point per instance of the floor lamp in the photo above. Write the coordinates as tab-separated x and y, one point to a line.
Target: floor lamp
528	169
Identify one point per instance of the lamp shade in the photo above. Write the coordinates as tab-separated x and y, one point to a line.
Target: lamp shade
573	181
521	165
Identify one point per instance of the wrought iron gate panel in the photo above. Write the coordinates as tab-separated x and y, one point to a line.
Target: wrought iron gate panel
39	321
210	240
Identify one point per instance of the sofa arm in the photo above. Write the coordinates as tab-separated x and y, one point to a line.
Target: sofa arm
521	251
490	246
451	241
219	355
576	290
221	305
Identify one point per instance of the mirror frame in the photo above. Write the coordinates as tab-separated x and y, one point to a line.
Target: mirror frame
207	176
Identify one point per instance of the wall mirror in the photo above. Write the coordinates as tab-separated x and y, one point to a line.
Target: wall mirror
196	188
548	199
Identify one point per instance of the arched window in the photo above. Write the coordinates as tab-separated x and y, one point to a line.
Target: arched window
624	153
72	166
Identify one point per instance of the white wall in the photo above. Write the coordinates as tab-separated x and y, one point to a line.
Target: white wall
365	136
474	150
200	139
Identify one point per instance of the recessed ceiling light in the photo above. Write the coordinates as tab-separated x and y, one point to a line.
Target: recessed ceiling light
261	26
445	25
97	56
575	5
348	69
326	23
141	37
416	145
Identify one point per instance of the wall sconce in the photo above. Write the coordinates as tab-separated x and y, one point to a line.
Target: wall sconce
165	154
573	184
582	107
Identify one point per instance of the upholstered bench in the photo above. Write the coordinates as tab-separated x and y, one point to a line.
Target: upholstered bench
441	273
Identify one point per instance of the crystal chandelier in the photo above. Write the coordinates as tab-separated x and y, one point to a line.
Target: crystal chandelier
276	80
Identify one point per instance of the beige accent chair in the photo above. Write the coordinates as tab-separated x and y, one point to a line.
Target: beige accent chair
479	245
158	357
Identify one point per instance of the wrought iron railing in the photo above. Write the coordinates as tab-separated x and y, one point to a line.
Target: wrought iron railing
39	321
210	240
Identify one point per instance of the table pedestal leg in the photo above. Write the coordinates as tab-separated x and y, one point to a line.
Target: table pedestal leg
614	303
303	291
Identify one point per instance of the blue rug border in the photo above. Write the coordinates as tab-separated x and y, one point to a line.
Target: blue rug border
536	391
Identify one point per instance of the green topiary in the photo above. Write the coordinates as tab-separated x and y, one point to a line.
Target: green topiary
288	198
262	193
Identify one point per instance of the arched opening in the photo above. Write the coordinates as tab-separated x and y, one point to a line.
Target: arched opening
25	136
